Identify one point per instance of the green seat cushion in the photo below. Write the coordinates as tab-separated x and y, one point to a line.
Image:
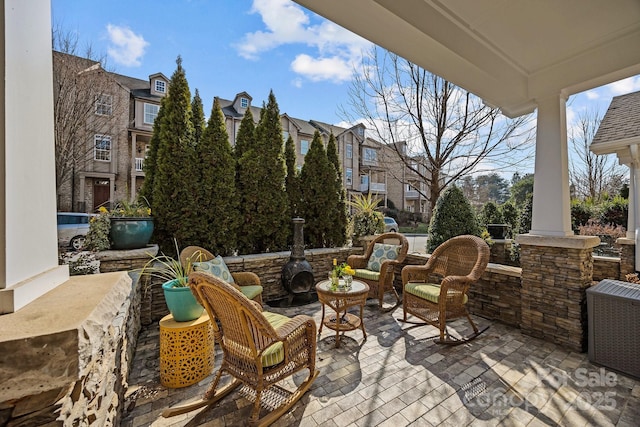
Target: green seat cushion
216	267
381	253
428	291
367	274
251	291
274	354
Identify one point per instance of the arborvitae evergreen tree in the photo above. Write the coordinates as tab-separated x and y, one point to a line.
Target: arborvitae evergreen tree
246	138
217	221
337	235
526	215
173	205
292	182
317	183
199	122
453	216
262	181
150	163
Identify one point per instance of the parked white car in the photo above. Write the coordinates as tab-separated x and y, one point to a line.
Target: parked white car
390	225
72	229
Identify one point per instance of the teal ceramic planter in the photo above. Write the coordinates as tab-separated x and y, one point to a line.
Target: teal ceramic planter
181	302
130	233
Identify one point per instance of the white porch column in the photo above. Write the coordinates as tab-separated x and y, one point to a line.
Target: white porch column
634	198
631	216
551	200
29	250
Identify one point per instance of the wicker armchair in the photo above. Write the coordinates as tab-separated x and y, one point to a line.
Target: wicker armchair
379	275
248	282
259	350
437	291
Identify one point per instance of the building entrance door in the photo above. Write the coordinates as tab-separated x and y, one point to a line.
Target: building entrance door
100	193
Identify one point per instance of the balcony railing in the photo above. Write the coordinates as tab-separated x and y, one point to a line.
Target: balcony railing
411	194
374	187
139	164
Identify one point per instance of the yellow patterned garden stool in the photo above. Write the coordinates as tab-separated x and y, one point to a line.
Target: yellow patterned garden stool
186	351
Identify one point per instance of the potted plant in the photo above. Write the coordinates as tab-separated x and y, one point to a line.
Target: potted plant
131	225
181	302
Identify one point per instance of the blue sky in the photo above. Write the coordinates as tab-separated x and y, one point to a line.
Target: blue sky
244	45
226	46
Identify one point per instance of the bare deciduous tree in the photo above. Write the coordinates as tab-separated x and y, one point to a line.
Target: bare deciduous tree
87	102
439	131
592	176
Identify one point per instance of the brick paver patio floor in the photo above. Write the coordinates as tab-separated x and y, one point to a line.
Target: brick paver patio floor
400	377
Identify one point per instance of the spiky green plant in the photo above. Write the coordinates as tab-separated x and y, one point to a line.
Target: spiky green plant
366	220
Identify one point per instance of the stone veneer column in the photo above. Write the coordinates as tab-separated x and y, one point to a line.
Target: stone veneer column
556	272
627	256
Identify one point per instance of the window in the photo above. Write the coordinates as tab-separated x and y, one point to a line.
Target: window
285	135
161	86
304	147
102	148
348	175
150	113
244	103
370	155
103	104
349	151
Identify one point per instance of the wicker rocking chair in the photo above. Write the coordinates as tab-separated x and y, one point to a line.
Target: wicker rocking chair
376	267
437	291
247	282
259	350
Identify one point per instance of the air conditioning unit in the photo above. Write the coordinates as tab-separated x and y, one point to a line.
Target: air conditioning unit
613	308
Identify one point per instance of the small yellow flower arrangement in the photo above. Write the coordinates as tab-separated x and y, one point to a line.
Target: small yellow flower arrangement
343	271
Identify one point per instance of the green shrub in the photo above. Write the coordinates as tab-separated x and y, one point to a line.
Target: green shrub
490	214
98	235
615	212
366	220
581	212
510	215
524	222
452	216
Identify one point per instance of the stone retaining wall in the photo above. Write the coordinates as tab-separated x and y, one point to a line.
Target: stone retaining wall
605	268
267	266
74	371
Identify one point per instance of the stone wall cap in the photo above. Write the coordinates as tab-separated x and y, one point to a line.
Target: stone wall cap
507	270
625	241
116	255
570	242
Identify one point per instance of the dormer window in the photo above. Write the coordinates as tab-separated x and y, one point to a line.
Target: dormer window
244	103
161	86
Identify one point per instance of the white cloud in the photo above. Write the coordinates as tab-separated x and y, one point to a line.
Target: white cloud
628	85
592	94
319	69
330	53
127	47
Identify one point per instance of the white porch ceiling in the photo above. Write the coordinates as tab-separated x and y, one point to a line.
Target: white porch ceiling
508	52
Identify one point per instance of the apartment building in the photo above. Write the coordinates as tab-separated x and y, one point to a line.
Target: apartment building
104	123
115	129
367	165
